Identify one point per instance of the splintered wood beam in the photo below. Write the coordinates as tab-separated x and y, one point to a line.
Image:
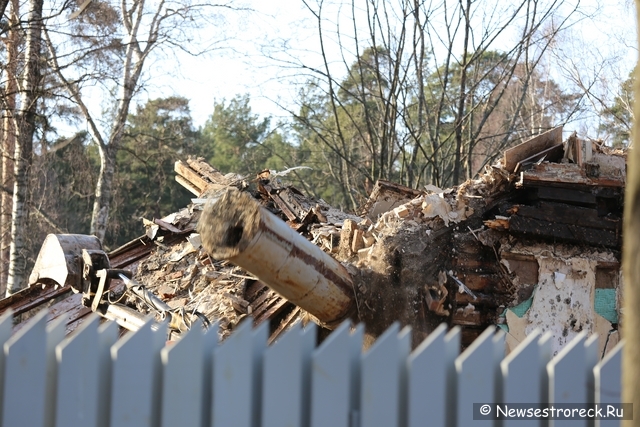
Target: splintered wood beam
188	176
565	232
206	170
188	185
531	147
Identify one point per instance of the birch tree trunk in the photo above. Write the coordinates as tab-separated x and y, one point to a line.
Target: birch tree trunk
134	61
26	119
8	143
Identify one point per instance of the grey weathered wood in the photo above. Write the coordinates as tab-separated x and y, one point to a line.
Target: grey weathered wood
259	338
55	334
331	380
452	344
546	354
591	360
309	338
78	371
568	378
284	378
25	373
477	369
236	378
6	322
209	344
182	365
93	379
530	147
355	354
522	377
135	360
107	337
426	385
381	394
608	382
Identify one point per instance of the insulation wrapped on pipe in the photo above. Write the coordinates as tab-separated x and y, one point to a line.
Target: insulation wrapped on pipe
233	226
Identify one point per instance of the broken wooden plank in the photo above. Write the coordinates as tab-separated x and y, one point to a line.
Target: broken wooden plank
480	300
188	185
551	154
192	177
385	196
346	237
567	173
284	208
531	147
297	202
284	325
31	297
169	227
253	288
479	282
238	303
206	170
468	317
564	232
273	311
255	305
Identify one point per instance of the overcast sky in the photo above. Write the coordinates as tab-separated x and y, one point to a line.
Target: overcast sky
245	69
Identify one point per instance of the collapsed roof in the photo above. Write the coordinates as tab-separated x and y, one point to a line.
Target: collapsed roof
534	242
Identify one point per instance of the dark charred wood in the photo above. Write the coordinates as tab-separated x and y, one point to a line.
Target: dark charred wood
566	214
564	232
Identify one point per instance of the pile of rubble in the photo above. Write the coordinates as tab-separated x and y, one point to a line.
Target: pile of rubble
534	242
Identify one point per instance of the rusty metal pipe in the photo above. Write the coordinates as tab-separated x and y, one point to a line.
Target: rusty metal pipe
235	227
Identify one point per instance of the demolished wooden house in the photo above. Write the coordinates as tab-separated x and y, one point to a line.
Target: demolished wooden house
534	242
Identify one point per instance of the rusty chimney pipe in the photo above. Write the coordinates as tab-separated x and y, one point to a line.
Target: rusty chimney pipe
233	226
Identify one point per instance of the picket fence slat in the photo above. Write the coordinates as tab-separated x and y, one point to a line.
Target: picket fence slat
381	399
523	374
591	360
608	382
182	366
93	378
571	376
107	337
517	371
25	375
135	378
78	377
285	383
427	398
209	345
476	369
236	376
6	321
55	331
331	380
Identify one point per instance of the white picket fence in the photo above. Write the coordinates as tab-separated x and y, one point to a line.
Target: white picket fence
92	378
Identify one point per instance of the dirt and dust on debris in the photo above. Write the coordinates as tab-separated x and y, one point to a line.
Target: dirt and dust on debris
533	242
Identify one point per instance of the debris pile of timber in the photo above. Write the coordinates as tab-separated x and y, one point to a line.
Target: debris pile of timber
544	224
533	242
